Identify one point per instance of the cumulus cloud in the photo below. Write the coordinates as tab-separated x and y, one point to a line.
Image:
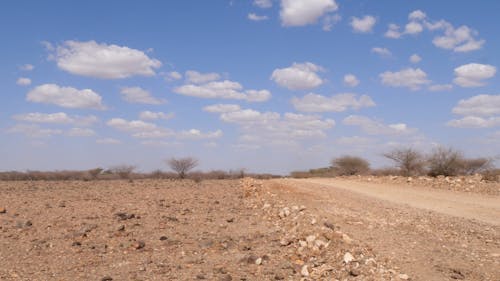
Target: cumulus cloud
26	67
56	118
473	74
364	24
223	90
474	122
263	3
255	17
196	77
195	134
374	127
103	61
23	81
480	105
415	58
80	132
65	97
461	39
337	103
272	128
351	80
384	52
139	95
33	131
412	78
173	76
440	87
330	20
108	141
354	140
149	115
304	12
222	108
299	76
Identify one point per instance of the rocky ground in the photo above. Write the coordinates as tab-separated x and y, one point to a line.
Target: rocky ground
173	230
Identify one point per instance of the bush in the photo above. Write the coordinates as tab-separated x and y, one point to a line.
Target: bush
409	161
476	165
445	162
182	165
123	171
94	173
350	165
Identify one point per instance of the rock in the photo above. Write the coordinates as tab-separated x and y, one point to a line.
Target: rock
304	271
139	245
285	212
279	276
409	179
163	238
348	258
329	225
62	204
285	242
124	216
107	278
3	211
354	272
230	220
250	259
225	277
403	277
121	228
76	243
310	239
258	261
346	238
200	276
313	221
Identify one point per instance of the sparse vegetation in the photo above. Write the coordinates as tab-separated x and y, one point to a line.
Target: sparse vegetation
94	173
350	165
123	171
182	165
409	161
445	162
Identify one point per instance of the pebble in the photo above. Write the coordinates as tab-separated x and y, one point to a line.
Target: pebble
403	277
258	261
304	271
106	278
163	238
139	245
348	258
3	211
225	277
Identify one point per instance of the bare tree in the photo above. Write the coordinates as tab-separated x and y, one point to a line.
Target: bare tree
476	165
94	173
409	161
445	161
350	165
123	171
182	165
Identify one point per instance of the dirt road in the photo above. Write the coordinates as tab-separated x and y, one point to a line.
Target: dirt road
430	234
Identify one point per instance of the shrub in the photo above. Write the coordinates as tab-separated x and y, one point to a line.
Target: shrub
123	171
182	165
476	165
94	173
350	165
445	162
409	161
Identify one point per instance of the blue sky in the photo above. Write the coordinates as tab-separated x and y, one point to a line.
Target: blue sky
265	85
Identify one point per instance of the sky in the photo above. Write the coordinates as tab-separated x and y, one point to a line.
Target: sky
265	85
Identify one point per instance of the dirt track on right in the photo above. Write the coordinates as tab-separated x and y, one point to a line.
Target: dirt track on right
430	234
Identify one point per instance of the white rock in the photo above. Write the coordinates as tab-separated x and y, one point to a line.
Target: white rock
313	221
310	238
304	271
348	258
403	277
258	261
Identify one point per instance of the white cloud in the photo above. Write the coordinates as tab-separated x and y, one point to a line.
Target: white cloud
173	75
351	80
364	24
299	76
304	12
263	3
103	61
410	78
23	81
196	77
440	87
223	90
330	20
65	97
149	115
393	31
108	141
475	122
272	128
81	132
354	140
480	105
27	67
222	108
195	134
473	74
413	28
381	51
139	95
36	117
255	17
131	126
338	103
415	58
34	131
458	39
374	127
417	15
